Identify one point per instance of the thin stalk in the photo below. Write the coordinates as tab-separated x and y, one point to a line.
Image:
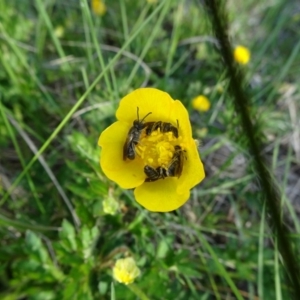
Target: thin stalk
220	267
174	38
216	10
21	158
56	42
155	31
260	262
88	16
137	291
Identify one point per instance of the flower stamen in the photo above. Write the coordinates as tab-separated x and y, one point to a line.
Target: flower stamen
157	149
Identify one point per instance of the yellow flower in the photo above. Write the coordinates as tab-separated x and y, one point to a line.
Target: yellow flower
201	103
125	270
159	149
241	55
98	7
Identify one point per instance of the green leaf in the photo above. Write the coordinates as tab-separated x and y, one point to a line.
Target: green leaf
85	213
83	192
87	238
83	146
33	242
98	187
189	270
68	235
102	287
35	247
162	249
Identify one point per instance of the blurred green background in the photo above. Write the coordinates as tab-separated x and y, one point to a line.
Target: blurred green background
64	66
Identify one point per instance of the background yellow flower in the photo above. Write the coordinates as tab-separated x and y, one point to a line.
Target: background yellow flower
125	270
201	103
98	7
241	55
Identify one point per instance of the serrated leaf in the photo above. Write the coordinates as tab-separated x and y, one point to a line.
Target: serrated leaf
63	255
68	233
162	249
33	242
87	238
84	213
36	247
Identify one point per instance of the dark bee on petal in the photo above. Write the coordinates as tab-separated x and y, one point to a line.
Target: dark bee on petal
163	126
154	174
176	165
133	137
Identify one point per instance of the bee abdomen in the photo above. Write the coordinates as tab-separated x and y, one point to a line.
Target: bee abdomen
154	174
163	126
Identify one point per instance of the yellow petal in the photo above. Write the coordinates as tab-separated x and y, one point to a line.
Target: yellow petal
128	174
126	270
147	100
180	113
193	170
161	195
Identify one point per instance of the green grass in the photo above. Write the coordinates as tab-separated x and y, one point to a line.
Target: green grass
58	93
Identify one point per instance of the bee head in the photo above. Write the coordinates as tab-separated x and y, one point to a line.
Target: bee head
139	123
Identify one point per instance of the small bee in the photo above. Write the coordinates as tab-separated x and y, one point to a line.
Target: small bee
174	169
133	137
154	174
163	126
176	165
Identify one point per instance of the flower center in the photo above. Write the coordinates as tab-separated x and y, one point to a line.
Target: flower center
157	149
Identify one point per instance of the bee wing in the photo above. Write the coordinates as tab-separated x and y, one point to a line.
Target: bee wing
149	127
125	147
128	145
176	165
180	164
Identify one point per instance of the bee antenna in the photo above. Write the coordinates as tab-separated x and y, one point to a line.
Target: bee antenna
146	116
137	113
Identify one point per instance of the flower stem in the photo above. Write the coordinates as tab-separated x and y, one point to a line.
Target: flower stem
137	291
